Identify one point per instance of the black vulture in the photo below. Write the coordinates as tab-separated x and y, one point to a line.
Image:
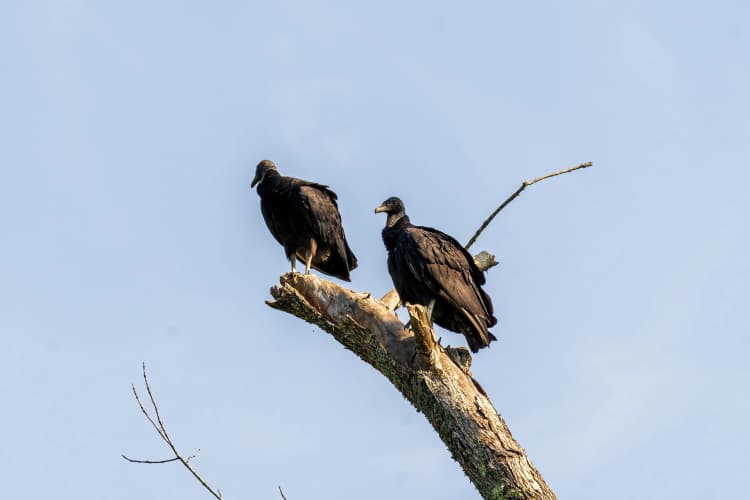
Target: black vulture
431	268
304	217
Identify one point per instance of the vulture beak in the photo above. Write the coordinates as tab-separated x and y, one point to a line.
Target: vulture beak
256	180
381	208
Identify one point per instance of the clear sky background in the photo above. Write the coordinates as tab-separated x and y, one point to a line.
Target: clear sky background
130	132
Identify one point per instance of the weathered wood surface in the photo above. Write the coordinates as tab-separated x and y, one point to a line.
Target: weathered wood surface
438	382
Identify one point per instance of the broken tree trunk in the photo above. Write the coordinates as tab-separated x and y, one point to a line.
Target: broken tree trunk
436	380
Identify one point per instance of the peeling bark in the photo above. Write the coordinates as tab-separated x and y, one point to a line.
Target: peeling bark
436	380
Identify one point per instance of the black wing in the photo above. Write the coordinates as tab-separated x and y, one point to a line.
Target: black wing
276	218
428	264
317	206
449	269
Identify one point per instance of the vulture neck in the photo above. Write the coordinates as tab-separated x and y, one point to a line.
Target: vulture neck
399	219
270	179
393	226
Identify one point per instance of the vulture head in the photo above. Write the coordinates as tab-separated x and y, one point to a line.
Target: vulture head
394	207
261	170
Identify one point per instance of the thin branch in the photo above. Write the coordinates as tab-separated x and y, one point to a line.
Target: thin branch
135	393
132	460
161	429
165	461
282	493
512	197
156	408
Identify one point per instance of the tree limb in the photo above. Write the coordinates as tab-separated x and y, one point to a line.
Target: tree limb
518	191
132	460
162	430
436	381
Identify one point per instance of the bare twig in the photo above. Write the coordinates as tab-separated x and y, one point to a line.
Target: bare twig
161	429
282	493
135	393
150	461
512	197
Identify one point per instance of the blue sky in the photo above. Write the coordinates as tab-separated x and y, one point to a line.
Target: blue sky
130	133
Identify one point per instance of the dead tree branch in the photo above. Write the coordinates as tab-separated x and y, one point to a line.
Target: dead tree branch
162	430
518	191
132	460
436	380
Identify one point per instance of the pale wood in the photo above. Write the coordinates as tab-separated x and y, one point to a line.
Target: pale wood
437	381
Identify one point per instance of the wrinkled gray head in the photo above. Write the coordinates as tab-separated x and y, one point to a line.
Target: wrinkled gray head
391	206
261	170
